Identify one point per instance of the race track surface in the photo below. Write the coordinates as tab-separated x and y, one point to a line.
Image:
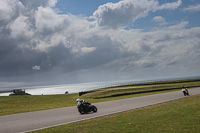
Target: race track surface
24	122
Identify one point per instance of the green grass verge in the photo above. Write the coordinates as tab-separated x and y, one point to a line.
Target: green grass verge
178	116
26	103
19	104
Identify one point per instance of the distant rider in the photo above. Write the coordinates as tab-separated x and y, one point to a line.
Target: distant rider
185	90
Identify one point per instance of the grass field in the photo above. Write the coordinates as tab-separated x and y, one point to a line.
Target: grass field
182	115
19	104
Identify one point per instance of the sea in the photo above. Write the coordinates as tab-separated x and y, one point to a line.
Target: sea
63	88
79	87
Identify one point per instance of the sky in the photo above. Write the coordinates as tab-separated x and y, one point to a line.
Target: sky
44	42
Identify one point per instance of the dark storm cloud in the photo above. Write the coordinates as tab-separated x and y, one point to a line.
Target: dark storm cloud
60	57
106	51
17	61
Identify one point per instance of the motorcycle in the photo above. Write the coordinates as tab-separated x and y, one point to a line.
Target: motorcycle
86	107
185	92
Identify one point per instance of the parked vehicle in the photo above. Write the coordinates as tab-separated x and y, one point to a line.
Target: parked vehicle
85	107
19	92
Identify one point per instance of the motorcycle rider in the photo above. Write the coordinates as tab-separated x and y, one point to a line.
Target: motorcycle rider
79	101
82	102
185	90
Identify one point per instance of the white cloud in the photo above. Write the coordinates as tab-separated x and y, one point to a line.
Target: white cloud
179	26
36	67
160	20
170	6
116	14
193	8
9	8
20	28
46	18
52	3
88	49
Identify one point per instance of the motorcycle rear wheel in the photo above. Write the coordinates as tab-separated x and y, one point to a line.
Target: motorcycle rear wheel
81	110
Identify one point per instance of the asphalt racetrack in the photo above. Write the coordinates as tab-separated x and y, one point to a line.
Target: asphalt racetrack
30	121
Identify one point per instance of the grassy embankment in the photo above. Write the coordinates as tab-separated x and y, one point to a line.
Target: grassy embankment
142	88
178	116
18	104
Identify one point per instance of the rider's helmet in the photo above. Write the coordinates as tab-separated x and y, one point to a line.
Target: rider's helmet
77	100
182	86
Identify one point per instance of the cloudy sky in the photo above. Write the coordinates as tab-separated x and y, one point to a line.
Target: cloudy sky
70	41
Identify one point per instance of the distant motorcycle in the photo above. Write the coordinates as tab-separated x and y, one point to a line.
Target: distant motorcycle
86	107
185	92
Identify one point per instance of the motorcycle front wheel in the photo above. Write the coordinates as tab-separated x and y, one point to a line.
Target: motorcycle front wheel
94	108
81	110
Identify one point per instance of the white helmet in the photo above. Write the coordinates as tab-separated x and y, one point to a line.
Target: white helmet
77	100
